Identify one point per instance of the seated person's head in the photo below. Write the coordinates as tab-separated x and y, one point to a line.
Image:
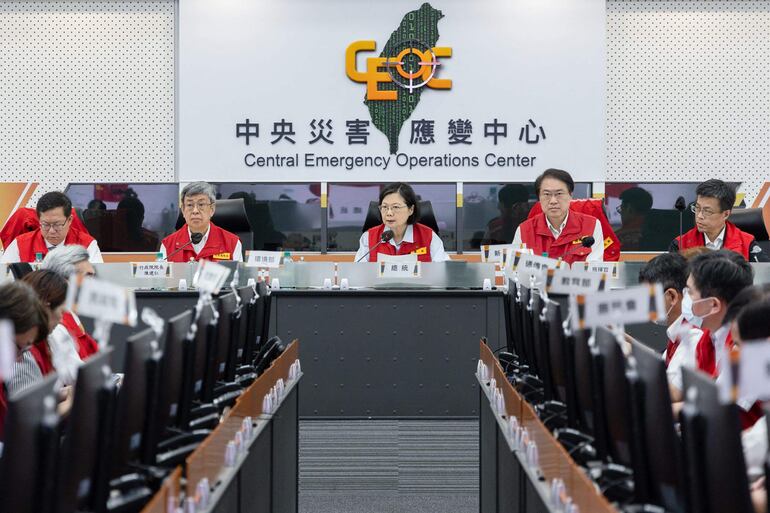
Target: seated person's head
691	253
713	204
554	190
68	260
752	301
398	205
19	304
715	278
510	195
634	203
670	270
54	210
51	289
134	210
198	203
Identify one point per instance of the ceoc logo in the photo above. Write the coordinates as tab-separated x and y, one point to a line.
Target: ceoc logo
414	66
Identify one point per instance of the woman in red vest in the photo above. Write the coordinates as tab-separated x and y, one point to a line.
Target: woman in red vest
560	232
20	305
399	211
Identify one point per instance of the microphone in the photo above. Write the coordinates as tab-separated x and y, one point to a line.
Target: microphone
680	205
586	242
195	238
386	236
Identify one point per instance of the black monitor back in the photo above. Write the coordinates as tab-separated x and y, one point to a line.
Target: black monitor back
515	316
662	448
263	313
557	352
21	466
203	354
616	396
224	343
241	324
724	485
526	329
131	408
79	463
171	376
540	343
251	340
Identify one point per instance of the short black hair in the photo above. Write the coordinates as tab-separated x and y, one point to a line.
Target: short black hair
746	297
722	274
639	199
513	193
668	269
717	189
406	192
558	174
752	320
54	199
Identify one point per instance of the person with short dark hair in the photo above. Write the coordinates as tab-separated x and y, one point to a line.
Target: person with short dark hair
54	210
513	204
198	203
559	232
400	213
635	203
712	207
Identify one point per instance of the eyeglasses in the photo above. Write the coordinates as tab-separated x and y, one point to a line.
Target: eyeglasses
560	195
52	227
706	212
393	208
200	206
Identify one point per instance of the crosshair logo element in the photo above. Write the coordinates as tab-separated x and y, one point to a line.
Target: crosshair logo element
414	66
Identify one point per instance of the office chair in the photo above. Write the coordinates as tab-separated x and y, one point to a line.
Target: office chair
20	270
230	215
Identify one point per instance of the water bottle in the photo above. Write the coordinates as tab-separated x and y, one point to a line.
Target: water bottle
287	257
38	258
159	256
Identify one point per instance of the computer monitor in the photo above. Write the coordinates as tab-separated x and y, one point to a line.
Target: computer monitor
557	352
202	372
268	352
719	466
587	388
84	434
540	344
22	473
131	407
263	316
526	329
662	447
224	342
515	316
242	326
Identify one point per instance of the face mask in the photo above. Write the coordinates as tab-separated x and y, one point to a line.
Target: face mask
687	304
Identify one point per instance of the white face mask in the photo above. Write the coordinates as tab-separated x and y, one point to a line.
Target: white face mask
687	304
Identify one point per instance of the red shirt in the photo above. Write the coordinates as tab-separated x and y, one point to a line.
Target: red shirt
536	234
31	243
220	245
422	236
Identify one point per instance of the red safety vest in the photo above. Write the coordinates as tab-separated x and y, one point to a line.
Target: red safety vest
42	355
84	343
735	240
220	245
538	237
421	234
31	243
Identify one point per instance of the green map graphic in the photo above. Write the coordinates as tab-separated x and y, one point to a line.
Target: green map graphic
389	116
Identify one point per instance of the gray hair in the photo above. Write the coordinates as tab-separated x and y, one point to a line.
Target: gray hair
62	260
195	188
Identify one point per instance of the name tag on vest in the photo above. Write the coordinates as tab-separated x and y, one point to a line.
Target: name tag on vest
151	269
642	303
222	256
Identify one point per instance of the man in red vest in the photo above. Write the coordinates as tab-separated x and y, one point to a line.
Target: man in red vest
54	209
198	203
713	204
558	231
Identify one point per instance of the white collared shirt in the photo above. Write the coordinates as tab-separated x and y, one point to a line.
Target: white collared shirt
688	336
237	255
437	253
597	250
11	254
716	243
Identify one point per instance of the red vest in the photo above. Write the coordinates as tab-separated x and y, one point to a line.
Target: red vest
31	243
421	234
538	237
84	343
735	240
219	246
671	348
42	355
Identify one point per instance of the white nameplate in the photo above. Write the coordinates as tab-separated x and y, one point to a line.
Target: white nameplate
264	259
408	270
210	276
102	300
526	261
754	370
496	253
151	269
397	259
608	268
573	281
642	303
7	349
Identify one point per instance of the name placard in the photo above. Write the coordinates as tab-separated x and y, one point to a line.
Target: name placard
264	259
638	304
408	270
151	269
754	369
7	349
573	281
526	261
210	276
608	268
102	300
496	253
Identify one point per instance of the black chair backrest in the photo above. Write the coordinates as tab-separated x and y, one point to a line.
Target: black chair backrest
427	217
230	214
713	447
19	270
662	450
750	220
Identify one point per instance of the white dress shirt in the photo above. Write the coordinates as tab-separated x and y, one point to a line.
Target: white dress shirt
11	254
237	255
716	243
754	442
597	250
437	253
688	336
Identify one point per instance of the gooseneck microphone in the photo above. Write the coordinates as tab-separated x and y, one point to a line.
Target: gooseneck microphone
680	205
386	236
585	242
195	238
